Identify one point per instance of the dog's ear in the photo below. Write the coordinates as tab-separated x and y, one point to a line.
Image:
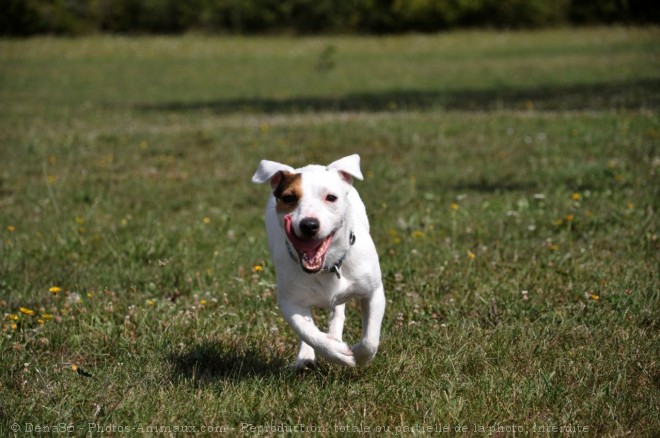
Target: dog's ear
348	167
270	171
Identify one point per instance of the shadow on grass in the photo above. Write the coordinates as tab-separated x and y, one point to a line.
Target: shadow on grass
213	361
594	96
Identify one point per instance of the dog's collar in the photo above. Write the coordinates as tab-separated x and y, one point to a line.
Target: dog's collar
337	266
334	268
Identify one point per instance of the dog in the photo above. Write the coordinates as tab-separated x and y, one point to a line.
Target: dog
319	242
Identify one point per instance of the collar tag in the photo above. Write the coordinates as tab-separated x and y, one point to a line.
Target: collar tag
337	266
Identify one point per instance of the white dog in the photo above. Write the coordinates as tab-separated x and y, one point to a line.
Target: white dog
318	236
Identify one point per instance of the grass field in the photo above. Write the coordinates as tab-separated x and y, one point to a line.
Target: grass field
512	185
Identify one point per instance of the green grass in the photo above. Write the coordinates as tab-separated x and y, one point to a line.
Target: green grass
512	185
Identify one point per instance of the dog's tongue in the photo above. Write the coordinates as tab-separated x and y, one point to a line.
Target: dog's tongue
311	251
308	246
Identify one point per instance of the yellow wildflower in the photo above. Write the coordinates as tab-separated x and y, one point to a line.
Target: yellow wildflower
471	255
46	316
257	268
207	220
13	326
80	371
554	247
418	234
26	311
576	196
151	302
594	297
55	290
41	321
202	302
569	217
11	228
454	206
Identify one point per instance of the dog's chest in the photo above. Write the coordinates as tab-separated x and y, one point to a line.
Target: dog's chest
324	290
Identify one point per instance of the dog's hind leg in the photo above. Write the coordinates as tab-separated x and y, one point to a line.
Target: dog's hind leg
306	357
324	344
336	325
373	310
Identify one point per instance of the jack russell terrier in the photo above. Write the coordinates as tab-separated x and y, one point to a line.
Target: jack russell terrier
318	236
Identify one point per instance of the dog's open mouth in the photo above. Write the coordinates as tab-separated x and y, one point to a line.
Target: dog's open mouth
311	252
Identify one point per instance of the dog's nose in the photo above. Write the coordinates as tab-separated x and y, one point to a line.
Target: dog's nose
309	226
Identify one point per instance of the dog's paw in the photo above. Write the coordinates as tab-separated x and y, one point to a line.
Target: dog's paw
306	358
338	352
364	352
302	364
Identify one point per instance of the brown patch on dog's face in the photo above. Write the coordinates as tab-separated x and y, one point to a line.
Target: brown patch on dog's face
288	192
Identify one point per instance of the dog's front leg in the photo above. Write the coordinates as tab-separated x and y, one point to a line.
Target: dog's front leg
325	345
373	309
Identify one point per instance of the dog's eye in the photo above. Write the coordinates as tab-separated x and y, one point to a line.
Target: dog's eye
289	199
331	198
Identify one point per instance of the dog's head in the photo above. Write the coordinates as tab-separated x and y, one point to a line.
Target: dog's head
311	203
